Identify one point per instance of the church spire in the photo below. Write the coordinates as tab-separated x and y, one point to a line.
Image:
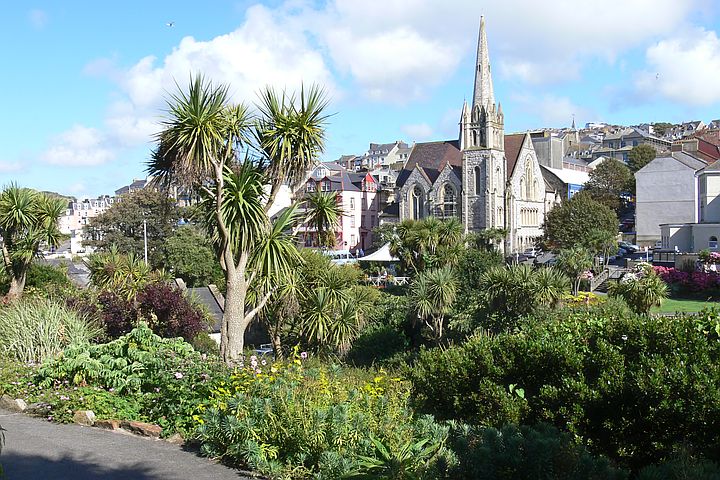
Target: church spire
483	95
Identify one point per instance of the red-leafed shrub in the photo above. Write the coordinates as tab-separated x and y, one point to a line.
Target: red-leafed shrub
119	315
169	312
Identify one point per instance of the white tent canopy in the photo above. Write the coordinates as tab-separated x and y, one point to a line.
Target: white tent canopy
382	254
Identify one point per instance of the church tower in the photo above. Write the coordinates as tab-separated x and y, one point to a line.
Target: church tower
482	142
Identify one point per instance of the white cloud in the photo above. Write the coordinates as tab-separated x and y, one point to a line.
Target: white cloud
38	18
417	132
399	49
79	146
683	68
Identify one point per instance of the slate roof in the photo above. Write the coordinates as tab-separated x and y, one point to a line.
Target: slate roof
513	146
392	210
204	296
432	157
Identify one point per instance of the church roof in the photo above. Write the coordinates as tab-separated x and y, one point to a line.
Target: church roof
432	157
513	145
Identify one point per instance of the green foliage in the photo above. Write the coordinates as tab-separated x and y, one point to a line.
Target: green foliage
513	292
633	388
323	216
575	261
641	291
608	181
384	336
427	243
432	295
128	363
122	226
138	376
188	254
578	221
640	156
292	421
27	219
34	329
408	462
47	277
517	453
682	466
122	274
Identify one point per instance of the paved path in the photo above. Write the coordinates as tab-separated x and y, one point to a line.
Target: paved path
38	449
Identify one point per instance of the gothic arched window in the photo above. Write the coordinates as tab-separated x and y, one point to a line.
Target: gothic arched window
417	203
478	181
448	201
529	180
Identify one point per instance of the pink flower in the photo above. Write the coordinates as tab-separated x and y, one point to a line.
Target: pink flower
303	355
178	375
264	362
258	371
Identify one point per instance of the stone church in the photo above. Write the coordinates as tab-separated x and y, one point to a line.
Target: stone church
485	178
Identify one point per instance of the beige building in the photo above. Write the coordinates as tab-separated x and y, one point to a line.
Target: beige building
703	234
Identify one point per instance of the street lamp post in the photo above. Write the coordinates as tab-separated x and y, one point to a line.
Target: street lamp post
145	239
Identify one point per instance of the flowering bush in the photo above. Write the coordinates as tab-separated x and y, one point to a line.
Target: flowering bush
291	420
708	257
689	282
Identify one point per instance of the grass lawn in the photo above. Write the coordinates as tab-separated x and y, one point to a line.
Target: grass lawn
672	305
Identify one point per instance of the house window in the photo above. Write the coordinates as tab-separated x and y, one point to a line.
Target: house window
478	180
713	243
352	221
352	203
310	186
352	240
417	203
325	186
448	201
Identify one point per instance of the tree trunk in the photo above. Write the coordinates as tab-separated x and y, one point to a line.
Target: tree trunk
232	335
276	344
17	285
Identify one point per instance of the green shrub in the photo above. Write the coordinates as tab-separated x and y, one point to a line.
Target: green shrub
384	335
47	279
517	453
163	380
293	421
633	388
34	329
680	467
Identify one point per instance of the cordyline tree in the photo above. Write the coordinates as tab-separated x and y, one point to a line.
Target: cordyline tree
239	162
27	220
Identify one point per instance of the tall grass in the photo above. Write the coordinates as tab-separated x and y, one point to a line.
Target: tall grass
32	330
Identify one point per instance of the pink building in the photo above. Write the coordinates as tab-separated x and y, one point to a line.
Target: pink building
357	195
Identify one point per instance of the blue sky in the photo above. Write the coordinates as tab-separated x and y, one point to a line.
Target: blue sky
85	82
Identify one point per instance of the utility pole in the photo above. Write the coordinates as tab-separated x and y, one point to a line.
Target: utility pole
145	239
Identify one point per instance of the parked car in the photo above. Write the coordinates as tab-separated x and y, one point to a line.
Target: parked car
517	258
630	247
532	252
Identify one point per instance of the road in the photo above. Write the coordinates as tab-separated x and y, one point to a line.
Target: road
37	449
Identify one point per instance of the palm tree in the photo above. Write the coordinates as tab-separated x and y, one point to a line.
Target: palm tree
550	286
124	274
199	146
433	293
641	291
323	214
427	243
290	133
27	220
574	262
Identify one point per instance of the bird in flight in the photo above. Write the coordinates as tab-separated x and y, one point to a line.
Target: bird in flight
170	24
